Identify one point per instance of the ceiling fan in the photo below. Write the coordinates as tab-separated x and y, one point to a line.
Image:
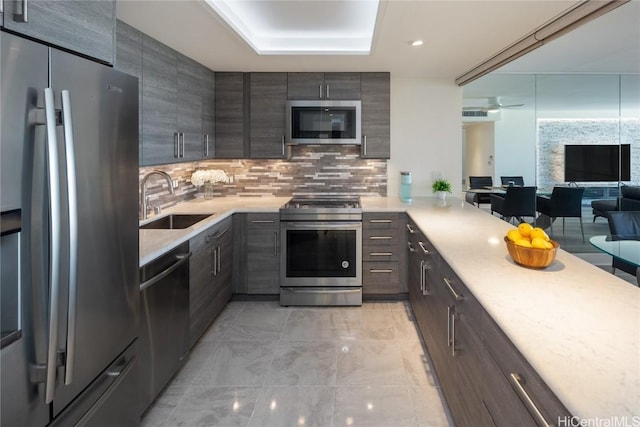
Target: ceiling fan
493	105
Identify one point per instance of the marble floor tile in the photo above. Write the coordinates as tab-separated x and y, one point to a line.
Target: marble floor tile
404	326
371	363
428	407
164	405
204	406
263	365
195	362
237	363
258	324
224	319
416	364
373	407
294	406
313	324
368	325
304	363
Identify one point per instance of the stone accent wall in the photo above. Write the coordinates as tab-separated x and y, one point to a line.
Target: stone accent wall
310	170
553	134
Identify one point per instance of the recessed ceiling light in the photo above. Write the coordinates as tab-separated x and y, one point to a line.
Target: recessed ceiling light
416	43
311	27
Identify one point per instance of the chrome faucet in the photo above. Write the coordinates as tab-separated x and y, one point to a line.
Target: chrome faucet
143	189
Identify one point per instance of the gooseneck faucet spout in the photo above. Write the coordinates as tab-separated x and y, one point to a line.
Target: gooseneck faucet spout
143	189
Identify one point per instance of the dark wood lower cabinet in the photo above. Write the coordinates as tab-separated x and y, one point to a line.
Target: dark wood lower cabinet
484	378
210	270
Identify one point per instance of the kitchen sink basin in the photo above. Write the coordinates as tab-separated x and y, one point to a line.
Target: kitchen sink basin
174	221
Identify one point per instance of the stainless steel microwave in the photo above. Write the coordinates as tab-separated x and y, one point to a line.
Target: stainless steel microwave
324	122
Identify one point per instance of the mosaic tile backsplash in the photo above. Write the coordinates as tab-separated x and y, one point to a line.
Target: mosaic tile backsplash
554	134
310	170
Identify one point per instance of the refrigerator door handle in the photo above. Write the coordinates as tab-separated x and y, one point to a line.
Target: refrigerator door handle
73	233
54	239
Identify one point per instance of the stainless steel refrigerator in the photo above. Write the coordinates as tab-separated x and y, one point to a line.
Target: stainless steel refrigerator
69	255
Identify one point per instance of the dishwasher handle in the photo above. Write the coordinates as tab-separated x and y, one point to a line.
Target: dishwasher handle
180	259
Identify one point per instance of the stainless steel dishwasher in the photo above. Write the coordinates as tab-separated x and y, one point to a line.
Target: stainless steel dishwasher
164	323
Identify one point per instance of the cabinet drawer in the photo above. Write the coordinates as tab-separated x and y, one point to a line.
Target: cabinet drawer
522	377
452	286
379	254
380	278
263	220
380	220
379	237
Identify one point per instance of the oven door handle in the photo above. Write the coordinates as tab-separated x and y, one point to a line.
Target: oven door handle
321	225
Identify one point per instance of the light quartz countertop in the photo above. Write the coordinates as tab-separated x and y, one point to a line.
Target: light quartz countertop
576	324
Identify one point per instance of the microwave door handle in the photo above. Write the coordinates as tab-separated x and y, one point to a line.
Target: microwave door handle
72	194
54	241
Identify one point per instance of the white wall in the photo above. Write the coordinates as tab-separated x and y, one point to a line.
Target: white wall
426	135
515	144
480	152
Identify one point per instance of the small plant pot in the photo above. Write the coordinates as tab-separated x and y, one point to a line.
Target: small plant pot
442	195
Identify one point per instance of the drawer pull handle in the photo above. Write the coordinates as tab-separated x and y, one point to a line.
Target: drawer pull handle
411	229
425	250
380	253
380	237
380	221
381	270
518	384
410	246
456	295
262	221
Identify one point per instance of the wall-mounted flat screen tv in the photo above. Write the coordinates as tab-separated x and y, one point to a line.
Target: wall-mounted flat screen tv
588	163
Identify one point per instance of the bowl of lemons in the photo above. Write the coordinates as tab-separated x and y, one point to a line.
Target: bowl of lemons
531	246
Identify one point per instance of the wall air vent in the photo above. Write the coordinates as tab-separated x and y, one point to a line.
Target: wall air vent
476	113
479	115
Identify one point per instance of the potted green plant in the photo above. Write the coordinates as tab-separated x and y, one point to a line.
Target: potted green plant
441	187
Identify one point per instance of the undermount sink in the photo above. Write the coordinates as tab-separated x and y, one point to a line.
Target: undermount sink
175	221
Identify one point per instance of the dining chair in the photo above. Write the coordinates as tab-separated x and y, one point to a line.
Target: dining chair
565	202
512	180
475	183
624	225
517	202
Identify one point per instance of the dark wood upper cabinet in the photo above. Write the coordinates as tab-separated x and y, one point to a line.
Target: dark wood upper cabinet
267	115
159	99
128	59
376	129
342	86
85	27
337	86
189	108
208	114
230	105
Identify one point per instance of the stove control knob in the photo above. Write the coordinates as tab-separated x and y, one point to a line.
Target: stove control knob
345	264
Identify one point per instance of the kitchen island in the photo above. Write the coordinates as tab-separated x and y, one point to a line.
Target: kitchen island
577	325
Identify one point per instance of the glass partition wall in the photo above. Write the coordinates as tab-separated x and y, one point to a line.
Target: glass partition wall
556	130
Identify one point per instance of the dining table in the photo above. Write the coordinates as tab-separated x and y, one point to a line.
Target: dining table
627	249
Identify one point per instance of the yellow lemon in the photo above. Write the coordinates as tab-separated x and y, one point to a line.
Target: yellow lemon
539	243
514	235
523	242
549	245
538	232
525	229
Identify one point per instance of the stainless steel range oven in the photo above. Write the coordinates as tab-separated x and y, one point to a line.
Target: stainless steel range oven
321	261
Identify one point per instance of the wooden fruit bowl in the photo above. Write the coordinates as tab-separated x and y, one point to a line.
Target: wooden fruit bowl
532	257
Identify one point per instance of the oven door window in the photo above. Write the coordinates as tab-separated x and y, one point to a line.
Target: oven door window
321	253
